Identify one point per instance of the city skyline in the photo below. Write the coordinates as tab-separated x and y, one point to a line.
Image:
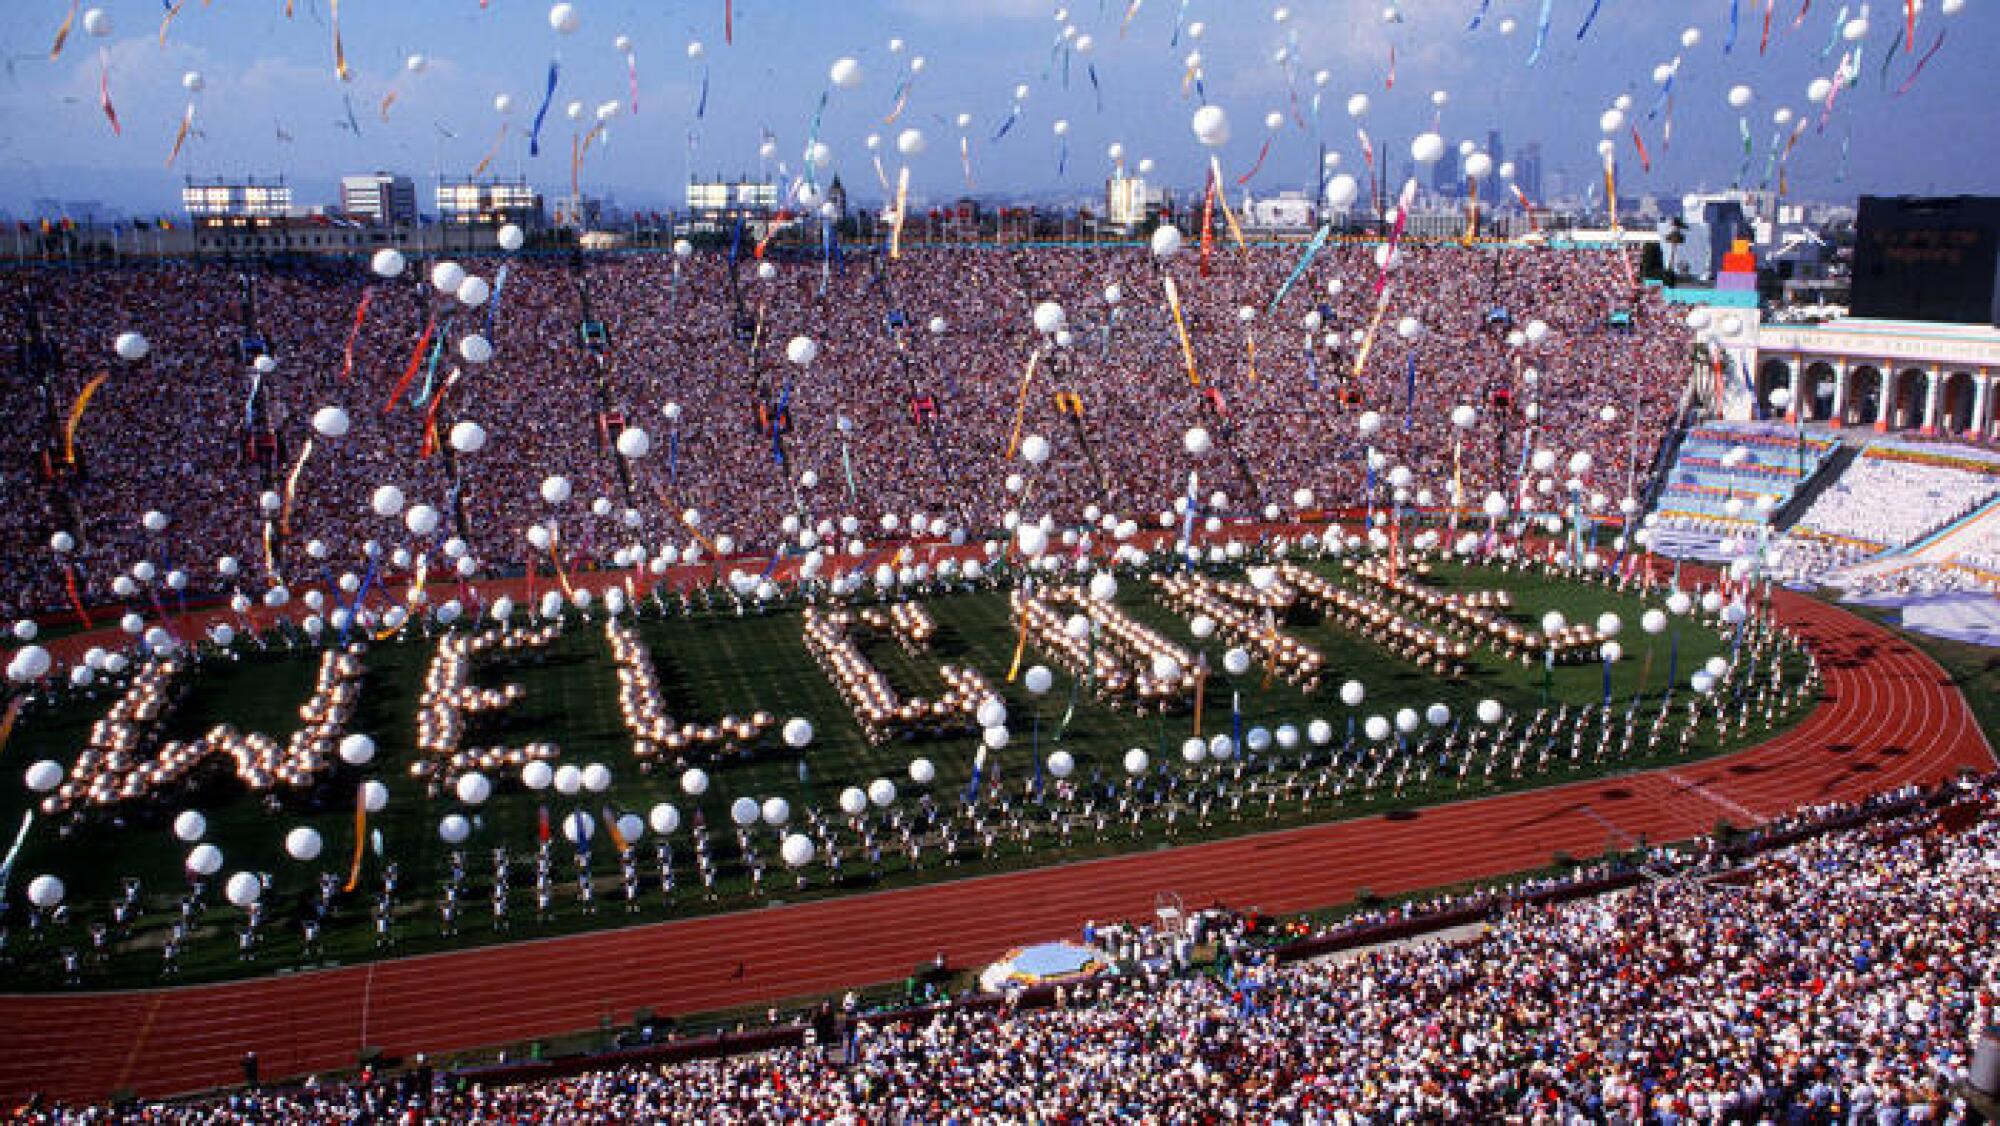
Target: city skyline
270	103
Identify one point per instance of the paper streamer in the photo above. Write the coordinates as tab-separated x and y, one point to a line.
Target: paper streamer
548	96
76	415
353	334
340	69
1479	17
167	19
360	836
292	488
1298	271
901	99
27	816
902	212
180	135
700	106
729	22
1729	44
487	160
1095	89
62	33
632	80
416	361
1020	404
1129	13
1180	327
1254	168
104	91
1645	161
1936	46
965	158
75	599
1595	6
1764	37
1541	31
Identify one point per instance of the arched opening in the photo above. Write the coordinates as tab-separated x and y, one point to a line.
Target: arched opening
1772	375
1820	381
1906	399
1864	395
1955	403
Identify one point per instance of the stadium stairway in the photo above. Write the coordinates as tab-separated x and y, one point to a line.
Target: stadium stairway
1824	476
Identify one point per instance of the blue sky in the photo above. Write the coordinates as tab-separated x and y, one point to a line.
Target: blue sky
265	73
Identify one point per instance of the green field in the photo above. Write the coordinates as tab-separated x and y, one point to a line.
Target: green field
713	662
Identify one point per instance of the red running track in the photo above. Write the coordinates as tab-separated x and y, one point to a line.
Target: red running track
1891	717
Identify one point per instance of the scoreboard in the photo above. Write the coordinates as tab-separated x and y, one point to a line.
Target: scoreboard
1928	259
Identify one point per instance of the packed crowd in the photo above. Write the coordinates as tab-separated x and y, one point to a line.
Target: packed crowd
1889	502
922	359
1843	978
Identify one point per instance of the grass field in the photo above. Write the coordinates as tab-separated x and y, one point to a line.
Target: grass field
710	663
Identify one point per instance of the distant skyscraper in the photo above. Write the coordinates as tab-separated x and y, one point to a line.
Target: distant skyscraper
1528	171
1446	179
1492	188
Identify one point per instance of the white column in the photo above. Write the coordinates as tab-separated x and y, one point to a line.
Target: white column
1798	385
1933	391
1976	426
1885	399
1839	418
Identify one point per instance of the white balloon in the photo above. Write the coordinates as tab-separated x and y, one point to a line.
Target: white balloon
797	850
1167	241
511	237
357	750
303	843
922	772
845	73
331	422
45	891
563	18
468	437
203	860
387	501
453	828
244	889
190	826
1211	126
131	346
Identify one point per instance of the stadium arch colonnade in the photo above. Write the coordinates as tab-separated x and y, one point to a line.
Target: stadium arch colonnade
1937	380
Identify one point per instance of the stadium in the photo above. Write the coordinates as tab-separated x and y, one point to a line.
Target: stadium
1429	644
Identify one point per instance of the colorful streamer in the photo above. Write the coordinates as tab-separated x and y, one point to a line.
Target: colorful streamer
76	415
104	92
1254	168
965	158
1729	44
1298	270
1020	405
292	488
1936	46
340	69
1645	160
1764	38
1584	30
181	134
360	836
62	33
632	80
416	361
353	334
1479	17
1180	327
173	10
1541	31
487	160
548	96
